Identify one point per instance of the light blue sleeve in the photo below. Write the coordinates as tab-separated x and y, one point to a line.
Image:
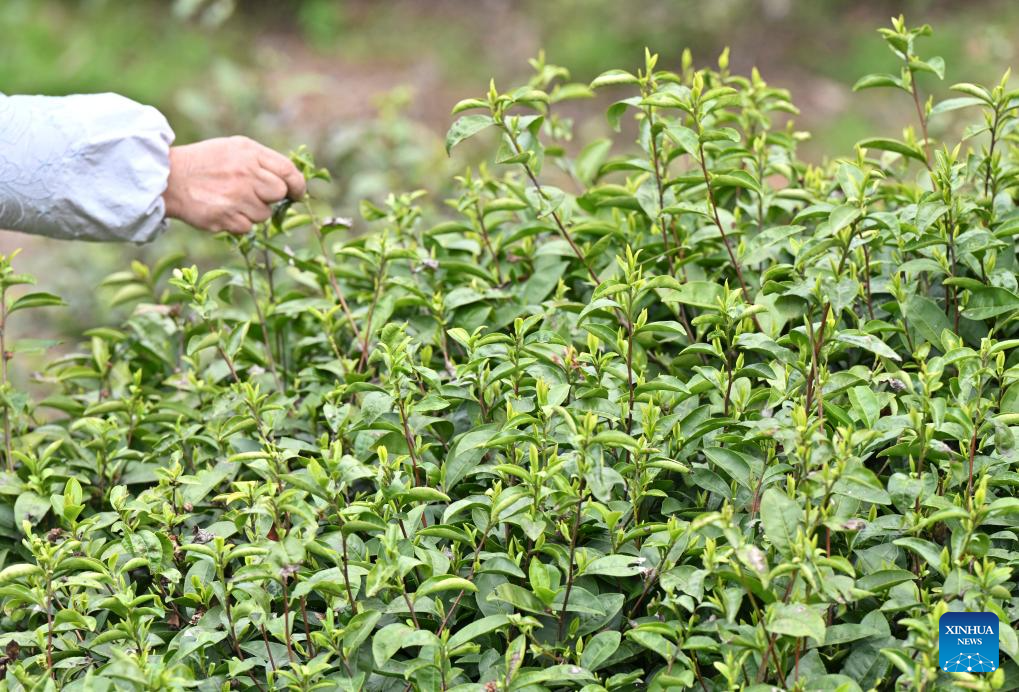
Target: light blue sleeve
85	167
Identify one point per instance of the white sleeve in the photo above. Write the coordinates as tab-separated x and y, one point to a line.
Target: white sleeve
86	167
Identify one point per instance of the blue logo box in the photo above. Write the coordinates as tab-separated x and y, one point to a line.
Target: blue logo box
968	642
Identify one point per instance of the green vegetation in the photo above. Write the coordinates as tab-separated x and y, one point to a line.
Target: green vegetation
686	414
312	71
99	47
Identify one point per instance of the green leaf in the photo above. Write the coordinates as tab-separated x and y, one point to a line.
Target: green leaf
530	96
842	216
518	597
736	465
472	630
740	179
926	318
39	299
935	66
872	81
977	92
686	138
862	484
425	494
882	580
391	638
531	679
466	126
30	507
130	292
893	145
781	518
13	573
955	104
928	551
613	78
468	104
614	438
865	404
34	346
990	301
199	343
444	582
614	566
870	343
614	114
590	159
796	620
599	649
701	294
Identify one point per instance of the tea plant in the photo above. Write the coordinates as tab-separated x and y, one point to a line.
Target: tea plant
685	414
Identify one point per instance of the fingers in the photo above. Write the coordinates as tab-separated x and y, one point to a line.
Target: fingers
254	209
252	206
269	187
237	224
280	166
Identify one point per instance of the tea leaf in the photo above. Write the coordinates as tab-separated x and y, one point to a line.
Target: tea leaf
781	518
465	127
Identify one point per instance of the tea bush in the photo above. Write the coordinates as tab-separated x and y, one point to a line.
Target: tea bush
690	414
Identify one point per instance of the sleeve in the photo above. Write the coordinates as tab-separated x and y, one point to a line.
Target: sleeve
85	167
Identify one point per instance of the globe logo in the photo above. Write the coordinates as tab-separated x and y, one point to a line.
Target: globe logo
969	663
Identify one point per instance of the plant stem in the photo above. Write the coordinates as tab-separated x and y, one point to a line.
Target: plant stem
655	164
629	373
721	230
286	620
952	297
728	383
379	280
475	563
487	241
763	670
697	672
229	363
648	583
555	215
410	443
915	90
923	453
990	156
972	455
230	623
866	281
282	342
761	171
410	606
819	341
307	629
755	502
268	649
570	572
3	378
49	625
346	572
337	293
263	326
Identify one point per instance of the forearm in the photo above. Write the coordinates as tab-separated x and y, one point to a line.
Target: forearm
88	167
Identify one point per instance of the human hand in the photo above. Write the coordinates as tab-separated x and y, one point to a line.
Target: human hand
227	184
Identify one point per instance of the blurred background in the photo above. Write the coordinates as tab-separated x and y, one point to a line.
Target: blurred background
368	84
